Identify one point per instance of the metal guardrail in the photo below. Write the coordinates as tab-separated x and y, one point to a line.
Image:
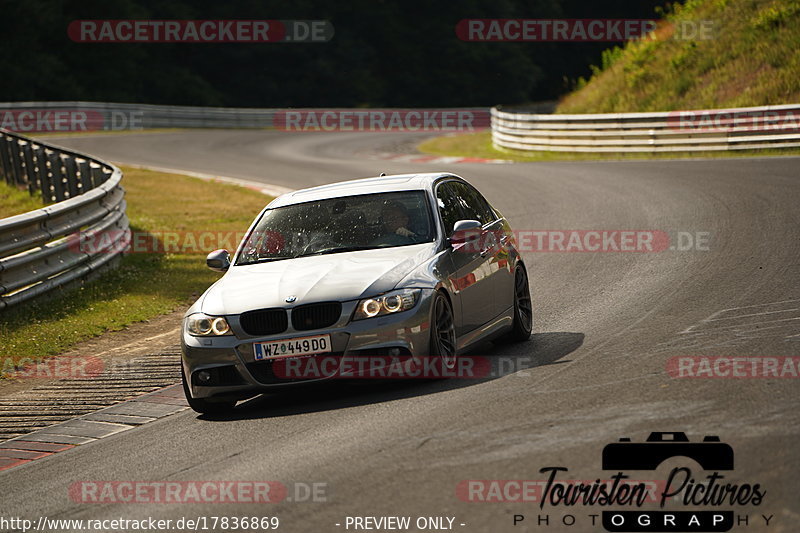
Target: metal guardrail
117	116
60	117
677	131
42	249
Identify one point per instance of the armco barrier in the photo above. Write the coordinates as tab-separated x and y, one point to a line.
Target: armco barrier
40	250
675	131
55	117
116	116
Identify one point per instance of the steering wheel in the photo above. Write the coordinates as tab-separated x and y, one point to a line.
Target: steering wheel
320	244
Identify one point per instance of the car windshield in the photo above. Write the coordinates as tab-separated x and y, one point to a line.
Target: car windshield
339	225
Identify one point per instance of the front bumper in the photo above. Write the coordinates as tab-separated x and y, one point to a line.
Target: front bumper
235	373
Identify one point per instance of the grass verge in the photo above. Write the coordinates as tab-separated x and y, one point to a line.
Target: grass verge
14	200
747	58
144	285
480	145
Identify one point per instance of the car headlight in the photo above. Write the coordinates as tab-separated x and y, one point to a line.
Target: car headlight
389	303
202	325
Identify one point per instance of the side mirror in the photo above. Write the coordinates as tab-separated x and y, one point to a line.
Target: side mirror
464	230
218	260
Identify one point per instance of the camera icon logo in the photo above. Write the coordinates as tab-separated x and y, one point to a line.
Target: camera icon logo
710	454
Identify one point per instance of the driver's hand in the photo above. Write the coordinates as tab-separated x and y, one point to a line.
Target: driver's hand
404	232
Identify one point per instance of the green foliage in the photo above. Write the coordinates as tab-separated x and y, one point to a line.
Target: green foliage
383	54
776	15
749	58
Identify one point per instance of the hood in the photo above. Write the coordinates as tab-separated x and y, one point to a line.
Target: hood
317	278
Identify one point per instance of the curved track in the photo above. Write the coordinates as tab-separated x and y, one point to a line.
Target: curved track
606	325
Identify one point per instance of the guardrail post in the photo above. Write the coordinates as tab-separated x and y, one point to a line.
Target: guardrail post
30	170
5	164
45	183
16	163
85	175
99	176
57	176
72	175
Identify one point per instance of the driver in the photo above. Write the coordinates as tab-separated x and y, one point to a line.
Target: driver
395	225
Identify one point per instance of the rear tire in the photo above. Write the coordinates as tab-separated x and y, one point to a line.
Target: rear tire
523	309
203	405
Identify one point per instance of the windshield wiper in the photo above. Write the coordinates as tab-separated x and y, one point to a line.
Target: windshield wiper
336	250
265	260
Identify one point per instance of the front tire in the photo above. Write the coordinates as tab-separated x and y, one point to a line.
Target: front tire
443	332
203	405
523	309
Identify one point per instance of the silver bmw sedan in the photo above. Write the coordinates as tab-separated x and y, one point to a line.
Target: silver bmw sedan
403	267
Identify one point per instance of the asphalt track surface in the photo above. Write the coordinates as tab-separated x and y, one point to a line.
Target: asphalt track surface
606	325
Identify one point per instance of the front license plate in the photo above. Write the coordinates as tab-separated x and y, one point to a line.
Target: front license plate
291	347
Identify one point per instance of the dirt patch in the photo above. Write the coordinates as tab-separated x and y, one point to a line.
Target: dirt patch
108	350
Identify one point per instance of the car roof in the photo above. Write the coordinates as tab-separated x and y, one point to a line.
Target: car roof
397	182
